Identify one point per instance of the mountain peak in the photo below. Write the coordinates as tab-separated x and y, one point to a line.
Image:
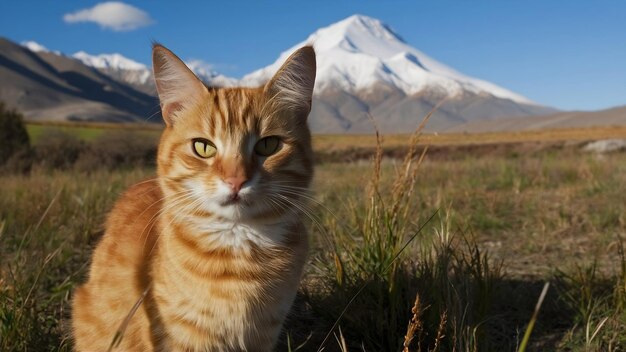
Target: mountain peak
34	46
357	33
108	61
364	25
361	52
37	48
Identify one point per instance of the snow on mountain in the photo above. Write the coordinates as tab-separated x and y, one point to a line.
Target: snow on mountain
207	74
112	61
133	72
36	47
118	66
360	52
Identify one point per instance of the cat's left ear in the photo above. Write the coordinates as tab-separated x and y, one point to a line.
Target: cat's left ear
177	86
292	86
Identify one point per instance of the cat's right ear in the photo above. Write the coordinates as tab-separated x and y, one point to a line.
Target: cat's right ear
177	86
292	86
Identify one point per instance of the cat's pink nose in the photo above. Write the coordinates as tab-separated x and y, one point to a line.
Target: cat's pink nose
235	183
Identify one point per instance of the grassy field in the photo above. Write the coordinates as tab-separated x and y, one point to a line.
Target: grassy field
485	229
87	131
90	131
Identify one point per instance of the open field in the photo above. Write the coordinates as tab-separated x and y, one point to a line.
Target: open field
89	131
444	139
504	223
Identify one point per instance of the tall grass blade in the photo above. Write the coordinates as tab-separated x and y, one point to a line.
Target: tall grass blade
531	324
372	276
119	334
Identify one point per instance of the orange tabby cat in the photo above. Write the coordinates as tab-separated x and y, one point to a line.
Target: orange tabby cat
215	243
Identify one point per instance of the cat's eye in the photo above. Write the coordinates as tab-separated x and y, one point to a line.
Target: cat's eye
267	146
204	148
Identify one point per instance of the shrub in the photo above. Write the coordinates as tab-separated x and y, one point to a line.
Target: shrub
13	135
58	150
118	149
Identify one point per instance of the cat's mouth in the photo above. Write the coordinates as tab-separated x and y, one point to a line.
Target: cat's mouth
234	199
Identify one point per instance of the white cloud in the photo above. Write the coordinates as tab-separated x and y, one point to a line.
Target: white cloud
114	15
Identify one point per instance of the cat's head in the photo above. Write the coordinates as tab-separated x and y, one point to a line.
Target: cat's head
236	153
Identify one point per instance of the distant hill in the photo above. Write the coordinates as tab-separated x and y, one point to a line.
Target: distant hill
52	87
575	119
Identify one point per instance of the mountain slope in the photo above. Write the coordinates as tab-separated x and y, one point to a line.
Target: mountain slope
48	86
375	72
121	69
571	119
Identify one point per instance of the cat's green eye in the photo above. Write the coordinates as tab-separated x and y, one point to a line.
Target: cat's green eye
267	146
204	148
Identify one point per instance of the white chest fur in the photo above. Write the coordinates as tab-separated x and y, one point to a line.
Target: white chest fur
233	235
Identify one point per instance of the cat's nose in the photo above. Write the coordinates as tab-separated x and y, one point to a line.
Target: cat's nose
235	183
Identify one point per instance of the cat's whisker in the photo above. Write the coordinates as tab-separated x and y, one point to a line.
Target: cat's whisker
173	201
159	201
177	198
184	210
317	202
307	194
308	213
158	110
275	207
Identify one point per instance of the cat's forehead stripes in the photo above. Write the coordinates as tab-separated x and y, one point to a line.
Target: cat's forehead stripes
231	112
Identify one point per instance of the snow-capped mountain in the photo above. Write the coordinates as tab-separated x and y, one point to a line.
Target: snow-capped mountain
363	67
109	61
359	52
34	46
207	74
37	48
140	76
135	73
121	68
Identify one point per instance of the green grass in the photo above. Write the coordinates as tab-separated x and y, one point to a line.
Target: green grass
468	281
341	142
85	131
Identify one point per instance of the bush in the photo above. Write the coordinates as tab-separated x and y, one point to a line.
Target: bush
20	162
13	135
118	149
58	150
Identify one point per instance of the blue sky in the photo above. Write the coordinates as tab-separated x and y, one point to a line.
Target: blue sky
567	54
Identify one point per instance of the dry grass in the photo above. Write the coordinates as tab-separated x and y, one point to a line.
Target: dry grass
332	142
545	214
89	131
343	142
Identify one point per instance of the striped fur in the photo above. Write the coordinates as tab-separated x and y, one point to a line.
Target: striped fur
220	271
